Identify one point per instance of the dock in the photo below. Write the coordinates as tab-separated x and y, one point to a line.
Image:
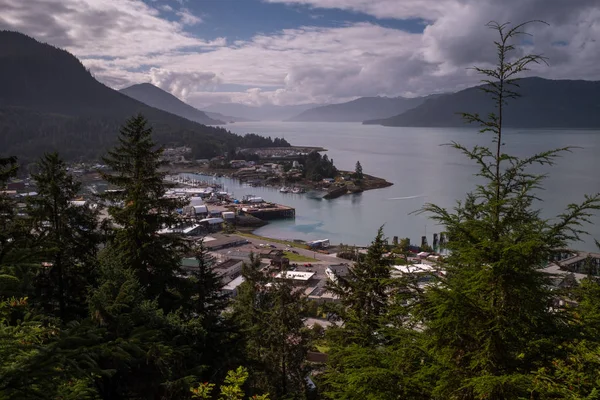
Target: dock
269	211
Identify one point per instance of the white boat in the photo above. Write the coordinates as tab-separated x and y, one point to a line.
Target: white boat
284	190
298	190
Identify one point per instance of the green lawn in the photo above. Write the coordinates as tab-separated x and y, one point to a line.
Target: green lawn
266	239
297	257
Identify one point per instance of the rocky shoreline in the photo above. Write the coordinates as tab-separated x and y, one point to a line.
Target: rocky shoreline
332	190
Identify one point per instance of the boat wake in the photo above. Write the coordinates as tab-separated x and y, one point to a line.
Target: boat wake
407	197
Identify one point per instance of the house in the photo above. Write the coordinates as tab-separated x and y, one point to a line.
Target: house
334	272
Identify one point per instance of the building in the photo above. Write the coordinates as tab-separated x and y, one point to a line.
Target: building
334	272
424	274
296	277
229	269
218	241
322	295
572	266
231	288
212	224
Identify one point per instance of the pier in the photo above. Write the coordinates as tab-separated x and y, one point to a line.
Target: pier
269	211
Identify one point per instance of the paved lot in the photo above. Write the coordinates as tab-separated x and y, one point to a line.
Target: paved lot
318	265
254	247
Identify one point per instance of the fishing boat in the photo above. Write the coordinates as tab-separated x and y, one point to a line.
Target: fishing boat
298	190
284	190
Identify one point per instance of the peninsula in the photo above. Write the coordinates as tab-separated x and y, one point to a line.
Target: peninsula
295	169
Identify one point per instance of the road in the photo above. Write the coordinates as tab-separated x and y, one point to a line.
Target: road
320	258
318	266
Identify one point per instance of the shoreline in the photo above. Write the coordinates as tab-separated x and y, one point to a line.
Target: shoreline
334	190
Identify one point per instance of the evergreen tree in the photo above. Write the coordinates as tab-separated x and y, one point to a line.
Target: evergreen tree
375	354
488	324
364	293
142	352
139	209
270	314
358	171
220	348
69	239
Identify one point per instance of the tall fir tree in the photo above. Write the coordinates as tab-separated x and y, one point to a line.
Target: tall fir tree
68	237
139	209
220	347
375	353
488	324
364	293
358	171
270	315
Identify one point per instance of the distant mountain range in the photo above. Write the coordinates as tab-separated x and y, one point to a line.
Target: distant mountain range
543	103
226	118
359	110
266	112
155	97
50	101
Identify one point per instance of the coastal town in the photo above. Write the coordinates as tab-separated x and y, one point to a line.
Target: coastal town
224	224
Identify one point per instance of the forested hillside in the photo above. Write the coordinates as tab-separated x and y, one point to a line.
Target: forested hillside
50	102
543	103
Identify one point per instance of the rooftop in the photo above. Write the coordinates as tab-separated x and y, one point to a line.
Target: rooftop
234	283
295	275
228	264
415	268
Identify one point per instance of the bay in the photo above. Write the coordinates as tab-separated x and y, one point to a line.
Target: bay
422	170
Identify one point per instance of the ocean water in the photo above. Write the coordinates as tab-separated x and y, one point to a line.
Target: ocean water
423	170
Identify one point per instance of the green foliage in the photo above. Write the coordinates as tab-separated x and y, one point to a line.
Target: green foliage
489	323
317	168
270	314
139	210
364	293
231	390
358	171
68	239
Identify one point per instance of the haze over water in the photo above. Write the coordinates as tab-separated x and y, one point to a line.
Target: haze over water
422	171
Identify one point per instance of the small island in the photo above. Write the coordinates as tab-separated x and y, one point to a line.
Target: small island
293	169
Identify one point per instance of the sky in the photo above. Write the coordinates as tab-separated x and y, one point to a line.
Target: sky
285	52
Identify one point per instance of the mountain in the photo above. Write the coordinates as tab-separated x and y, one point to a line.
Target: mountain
226	118
155	97
266	112
49	101
359	110
543	103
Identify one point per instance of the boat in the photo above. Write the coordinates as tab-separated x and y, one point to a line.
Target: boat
284	190
298	190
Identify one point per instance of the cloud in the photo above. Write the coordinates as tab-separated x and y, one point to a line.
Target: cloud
90	28
187	18
181	84
126	42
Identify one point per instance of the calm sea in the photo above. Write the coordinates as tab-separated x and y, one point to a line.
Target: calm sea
422	170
